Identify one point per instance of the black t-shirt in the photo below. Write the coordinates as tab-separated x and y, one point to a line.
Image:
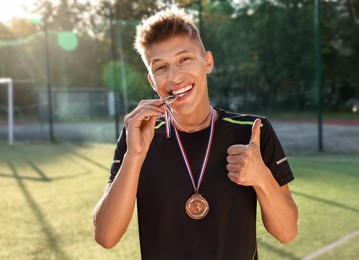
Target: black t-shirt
229	229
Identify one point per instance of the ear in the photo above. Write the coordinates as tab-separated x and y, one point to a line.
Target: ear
209	61
149	78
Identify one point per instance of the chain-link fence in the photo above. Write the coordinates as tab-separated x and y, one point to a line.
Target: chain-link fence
265	63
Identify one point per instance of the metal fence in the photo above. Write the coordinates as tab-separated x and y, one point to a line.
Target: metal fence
267	61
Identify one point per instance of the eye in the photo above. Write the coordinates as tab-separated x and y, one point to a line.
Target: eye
185	58
159	69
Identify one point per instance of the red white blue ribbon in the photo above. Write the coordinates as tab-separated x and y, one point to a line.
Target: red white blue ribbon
179	141
168	121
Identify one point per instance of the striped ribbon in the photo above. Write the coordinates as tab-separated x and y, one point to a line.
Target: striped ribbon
169	116
168	121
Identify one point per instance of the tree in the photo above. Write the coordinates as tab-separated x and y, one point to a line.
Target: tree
340	22
263	51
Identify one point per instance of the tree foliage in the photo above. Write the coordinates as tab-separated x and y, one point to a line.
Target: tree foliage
263	50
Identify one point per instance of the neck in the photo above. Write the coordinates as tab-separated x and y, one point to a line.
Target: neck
194	122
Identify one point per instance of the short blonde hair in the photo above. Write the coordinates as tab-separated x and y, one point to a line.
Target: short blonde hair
162	25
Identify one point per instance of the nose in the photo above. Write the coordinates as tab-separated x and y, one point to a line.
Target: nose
175	74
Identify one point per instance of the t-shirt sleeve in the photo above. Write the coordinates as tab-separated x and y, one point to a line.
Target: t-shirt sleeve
273	155
120	151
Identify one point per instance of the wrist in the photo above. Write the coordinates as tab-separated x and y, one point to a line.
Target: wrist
135	156
265	180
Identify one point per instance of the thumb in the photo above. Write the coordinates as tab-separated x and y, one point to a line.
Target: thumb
256	132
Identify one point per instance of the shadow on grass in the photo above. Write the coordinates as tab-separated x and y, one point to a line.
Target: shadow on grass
332	203
88	160
51	237
29	178
279	252
42	175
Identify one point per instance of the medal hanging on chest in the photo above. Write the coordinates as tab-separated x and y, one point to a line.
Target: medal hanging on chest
196	206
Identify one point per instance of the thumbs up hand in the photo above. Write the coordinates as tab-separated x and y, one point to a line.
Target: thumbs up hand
245	164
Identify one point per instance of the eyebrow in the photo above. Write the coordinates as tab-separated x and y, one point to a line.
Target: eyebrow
177	54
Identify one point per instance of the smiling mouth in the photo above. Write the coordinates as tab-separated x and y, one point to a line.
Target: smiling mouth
182	91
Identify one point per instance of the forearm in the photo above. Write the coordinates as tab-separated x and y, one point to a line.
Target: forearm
279	211
114	211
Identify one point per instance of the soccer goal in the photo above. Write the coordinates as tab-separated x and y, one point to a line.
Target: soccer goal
10	105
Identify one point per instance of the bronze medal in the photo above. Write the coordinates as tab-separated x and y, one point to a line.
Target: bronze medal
197	207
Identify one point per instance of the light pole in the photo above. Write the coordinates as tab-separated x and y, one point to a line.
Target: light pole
318	73
48	83
114	75
123	73
10	105
37	21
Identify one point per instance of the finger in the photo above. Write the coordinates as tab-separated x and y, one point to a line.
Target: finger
135	118
232	159
142	114
152	120
238	158
235	177
256	132
231	167
157	102
147	104
236	149
148	113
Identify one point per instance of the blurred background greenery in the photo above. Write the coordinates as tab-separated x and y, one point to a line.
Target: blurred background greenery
81	54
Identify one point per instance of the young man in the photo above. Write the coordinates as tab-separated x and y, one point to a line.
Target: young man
196	172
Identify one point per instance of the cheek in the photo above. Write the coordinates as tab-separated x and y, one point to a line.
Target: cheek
159	90
200	71
158	84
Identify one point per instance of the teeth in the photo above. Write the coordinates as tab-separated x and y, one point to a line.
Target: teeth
182	90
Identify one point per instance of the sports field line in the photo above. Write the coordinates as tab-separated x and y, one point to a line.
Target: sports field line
331	246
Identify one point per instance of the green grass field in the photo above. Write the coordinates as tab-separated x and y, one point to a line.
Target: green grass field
49	191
